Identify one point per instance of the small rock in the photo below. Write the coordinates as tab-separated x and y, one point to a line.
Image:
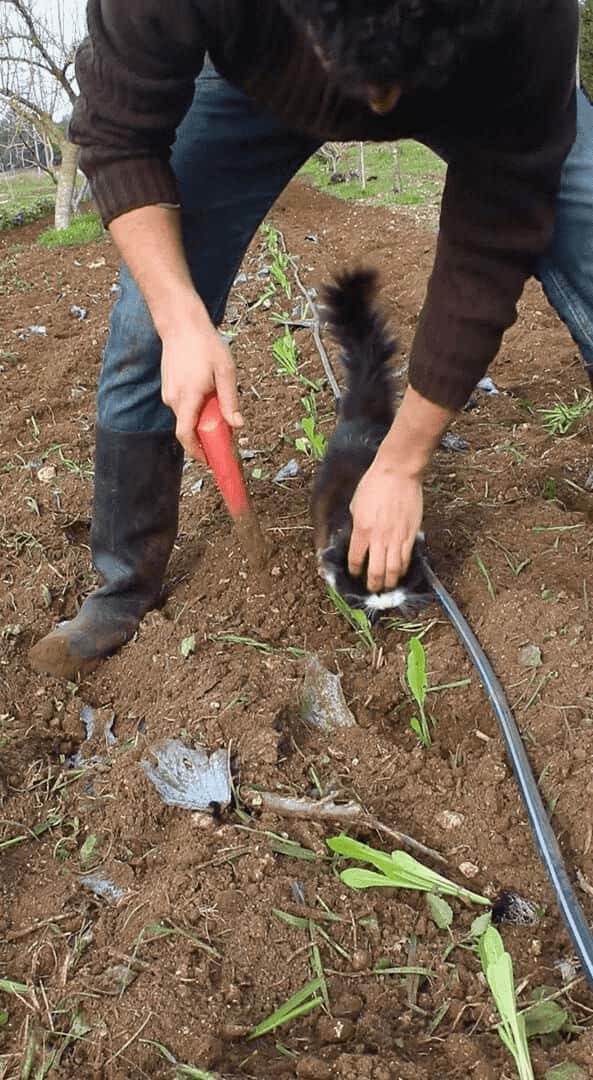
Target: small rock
79	312
240	279
103	887
348	1005
287	472
589	481
359	960
201	820
313	1068
232	1031
38	331
115	980
454	443
530	656
450	820
331	1030
469	869
324	705
47	474
488	386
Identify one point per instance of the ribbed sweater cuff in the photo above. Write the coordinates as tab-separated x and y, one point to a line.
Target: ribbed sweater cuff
131	183
451	390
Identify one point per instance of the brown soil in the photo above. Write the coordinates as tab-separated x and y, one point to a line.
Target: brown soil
198	992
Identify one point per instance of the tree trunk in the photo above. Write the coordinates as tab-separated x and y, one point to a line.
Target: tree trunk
66	184
363	171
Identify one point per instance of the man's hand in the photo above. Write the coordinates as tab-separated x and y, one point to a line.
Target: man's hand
387	515
195	363
387	504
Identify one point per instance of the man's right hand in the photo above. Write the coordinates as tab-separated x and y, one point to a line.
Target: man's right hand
196	362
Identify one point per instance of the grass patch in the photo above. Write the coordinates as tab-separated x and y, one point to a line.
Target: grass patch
25	198
412	178
85	229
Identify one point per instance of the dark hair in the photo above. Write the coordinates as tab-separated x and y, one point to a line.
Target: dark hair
417	43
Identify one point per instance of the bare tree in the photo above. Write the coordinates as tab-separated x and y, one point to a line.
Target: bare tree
37	83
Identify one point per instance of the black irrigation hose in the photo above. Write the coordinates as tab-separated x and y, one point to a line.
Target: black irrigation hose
570	908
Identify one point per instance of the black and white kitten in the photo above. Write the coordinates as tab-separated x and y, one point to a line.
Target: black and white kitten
365	414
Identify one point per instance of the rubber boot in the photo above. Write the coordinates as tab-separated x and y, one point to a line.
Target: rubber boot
134	526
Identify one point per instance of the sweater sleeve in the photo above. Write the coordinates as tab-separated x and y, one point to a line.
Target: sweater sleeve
136	71
497	218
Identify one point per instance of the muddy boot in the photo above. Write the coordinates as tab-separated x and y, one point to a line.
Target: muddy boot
135	512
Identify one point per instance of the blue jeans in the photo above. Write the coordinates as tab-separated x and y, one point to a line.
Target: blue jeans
232	160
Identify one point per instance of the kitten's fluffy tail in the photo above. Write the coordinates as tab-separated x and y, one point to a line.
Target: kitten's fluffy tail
360	329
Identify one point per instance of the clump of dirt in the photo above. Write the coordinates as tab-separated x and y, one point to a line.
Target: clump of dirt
183	950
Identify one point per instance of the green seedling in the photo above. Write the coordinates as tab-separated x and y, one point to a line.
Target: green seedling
560	419
398	870
567	1071
356	617
9	986
313	443
486	577
441	912
285	354
280	259
188	646
283	846
418	687
300	1004
87	851
498	969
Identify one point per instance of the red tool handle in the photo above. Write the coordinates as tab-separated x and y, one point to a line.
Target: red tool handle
216	439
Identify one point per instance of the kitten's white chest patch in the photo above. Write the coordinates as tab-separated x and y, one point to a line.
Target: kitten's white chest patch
387	600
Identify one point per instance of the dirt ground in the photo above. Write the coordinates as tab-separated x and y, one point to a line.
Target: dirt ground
190	955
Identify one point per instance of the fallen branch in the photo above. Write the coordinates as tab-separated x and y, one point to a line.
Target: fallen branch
328	810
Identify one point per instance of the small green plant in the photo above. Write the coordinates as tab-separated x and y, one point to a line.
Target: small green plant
397	870
82	230
498	969
356	617
300	1004
418	686
280	260
486	576
561	418
286	355
313	442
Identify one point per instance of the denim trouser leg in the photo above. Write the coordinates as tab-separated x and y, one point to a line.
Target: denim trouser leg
566	271
232	160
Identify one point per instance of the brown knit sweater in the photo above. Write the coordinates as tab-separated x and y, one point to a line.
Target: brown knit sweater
507	120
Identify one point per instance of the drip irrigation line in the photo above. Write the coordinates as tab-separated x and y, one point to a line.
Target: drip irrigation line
547	844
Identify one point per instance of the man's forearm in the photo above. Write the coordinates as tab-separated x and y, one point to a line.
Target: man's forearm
150	243
415	433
